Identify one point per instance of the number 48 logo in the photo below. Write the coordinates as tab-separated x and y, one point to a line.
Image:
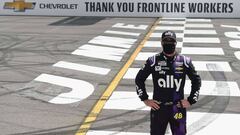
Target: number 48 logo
178	116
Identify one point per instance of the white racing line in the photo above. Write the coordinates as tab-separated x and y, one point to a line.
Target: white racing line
112	47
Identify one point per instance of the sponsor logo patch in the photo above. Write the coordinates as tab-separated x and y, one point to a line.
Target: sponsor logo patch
162	63
162	72
179	63
165	68
179	68
170	82
158	68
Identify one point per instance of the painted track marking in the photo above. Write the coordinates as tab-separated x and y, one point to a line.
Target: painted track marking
92	116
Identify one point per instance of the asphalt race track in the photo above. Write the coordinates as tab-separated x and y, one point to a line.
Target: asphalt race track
55	69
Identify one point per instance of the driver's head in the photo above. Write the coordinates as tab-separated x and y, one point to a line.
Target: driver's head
169	42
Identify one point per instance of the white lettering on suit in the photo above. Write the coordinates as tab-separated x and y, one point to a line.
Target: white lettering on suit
169	82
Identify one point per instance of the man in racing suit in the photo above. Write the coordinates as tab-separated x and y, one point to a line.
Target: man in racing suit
169	70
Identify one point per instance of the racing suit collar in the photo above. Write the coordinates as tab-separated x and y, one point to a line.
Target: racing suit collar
167	58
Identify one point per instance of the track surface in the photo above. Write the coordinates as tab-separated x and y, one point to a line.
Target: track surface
34	49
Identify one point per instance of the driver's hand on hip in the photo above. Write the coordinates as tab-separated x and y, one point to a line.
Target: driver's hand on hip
152	103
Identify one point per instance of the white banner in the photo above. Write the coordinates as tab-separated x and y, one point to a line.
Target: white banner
123	8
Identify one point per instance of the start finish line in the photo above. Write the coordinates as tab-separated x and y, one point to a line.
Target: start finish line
122	8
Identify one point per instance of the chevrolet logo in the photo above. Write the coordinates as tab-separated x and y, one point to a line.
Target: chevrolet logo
179	68
19	5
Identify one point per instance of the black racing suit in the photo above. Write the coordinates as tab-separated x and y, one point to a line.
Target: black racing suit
168	75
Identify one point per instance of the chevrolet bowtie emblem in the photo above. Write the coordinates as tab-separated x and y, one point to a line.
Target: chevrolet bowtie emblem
19	5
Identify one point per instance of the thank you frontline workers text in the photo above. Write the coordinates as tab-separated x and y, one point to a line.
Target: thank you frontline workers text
159	7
